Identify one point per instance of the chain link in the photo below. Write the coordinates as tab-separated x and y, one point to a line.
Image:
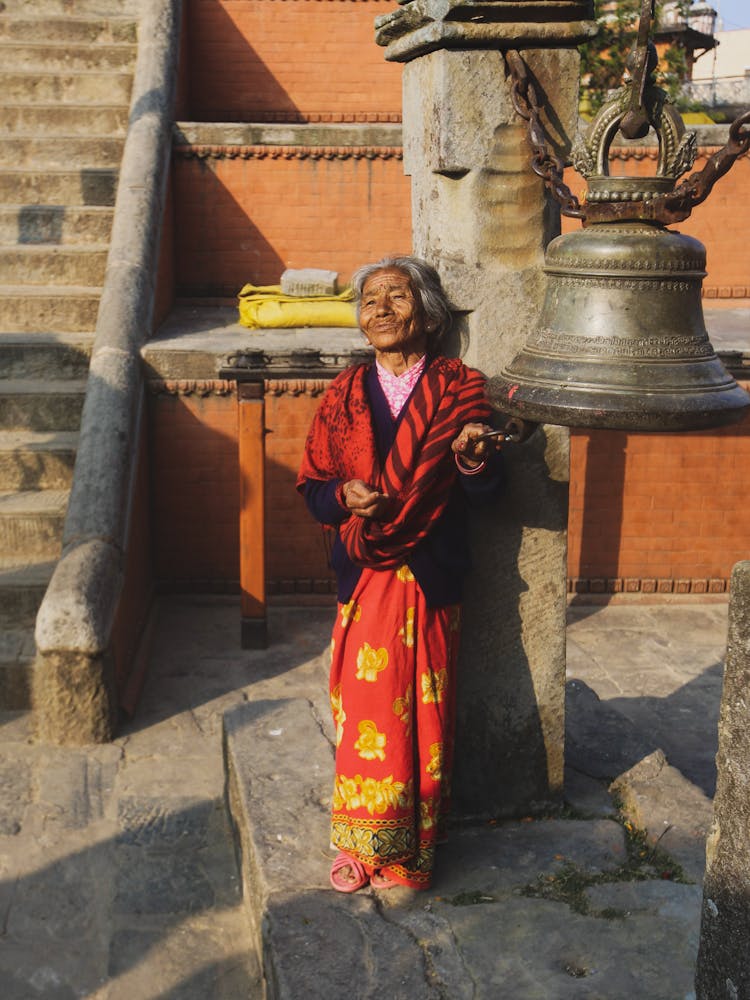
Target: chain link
698	186
545	163
670	207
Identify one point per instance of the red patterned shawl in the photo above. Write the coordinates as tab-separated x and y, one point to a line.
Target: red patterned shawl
419	470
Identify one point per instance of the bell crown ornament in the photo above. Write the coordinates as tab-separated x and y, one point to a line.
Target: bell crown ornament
621	342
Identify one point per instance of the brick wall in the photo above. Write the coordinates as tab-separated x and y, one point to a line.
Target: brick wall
195	494
649	513
195	484
244	215
289	60
657	513
248	217
662	513
295	550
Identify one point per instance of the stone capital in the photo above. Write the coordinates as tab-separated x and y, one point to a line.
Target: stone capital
421	26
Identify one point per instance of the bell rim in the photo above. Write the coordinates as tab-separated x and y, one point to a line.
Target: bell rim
597	409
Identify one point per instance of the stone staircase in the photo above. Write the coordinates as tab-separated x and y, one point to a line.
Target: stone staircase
66	74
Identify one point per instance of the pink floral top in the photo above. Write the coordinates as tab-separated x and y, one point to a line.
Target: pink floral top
397	388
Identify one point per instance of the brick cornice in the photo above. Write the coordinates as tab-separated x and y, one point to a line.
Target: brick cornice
648	585
258	116
227	387
652	152
191	387
226	152
296	386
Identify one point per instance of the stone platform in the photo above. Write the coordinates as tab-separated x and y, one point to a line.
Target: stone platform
189	859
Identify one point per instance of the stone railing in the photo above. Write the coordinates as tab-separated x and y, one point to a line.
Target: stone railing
74	697
722	91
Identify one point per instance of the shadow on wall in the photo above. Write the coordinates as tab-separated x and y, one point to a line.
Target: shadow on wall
502	766
195	500
246	254
256	94
194	486
601	516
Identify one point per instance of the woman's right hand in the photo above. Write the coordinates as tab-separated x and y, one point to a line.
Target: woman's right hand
364	500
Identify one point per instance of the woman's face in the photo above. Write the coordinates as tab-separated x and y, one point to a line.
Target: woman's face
390	314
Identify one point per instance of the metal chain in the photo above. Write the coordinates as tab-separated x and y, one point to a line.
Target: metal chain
698	186
544	162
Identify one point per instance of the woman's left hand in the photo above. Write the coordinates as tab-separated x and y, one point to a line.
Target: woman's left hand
473	451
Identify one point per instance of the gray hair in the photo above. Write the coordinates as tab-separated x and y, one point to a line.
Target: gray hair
425	282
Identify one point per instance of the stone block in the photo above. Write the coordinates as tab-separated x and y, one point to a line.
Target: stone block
308	281
673	812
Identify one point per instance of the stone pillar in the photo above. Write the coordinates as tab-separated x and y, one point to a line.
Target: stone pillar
724	956
481	216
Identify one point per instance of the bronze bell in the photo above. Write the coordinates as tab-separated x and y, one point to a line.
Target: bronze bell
622	342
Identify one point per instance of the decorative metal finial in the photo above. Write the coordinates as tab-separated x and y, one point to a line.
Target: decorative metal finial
633	111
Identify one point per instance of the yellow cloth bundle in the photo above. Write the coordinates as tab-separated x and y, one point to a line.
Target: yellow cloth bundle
266	307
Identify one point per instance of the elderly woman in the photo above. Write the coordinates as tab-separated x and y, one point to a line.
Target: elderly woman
394	452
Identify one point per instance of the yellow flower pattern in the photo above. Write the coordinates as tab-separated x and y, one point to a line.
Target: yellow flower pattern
402	707
346	792
350	612
434	684
370	662
390	785
339	715
404	574
406	634
371	743
435	766
370	794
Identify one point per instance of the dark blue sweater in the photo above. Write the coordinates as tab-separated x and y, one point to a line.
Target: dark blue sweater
441	560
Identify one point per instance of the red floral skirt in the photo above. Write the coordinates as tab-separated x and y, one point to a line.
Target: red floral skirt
393	702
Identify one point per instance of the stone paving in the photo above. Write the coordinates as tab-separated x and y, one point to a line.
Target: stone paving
121	868
118	876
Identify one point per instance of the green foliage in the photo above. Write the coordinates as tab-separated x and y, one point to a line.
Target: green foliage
604	58
568	883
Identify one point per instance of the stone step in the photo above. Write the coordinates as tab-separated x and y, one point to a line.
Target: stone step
24	27
48	356
35	460
64	120
86	186
17	652
53	265
33	87
44	309
23	583
64	56
31	522
41	405
61	151
124	9
58	224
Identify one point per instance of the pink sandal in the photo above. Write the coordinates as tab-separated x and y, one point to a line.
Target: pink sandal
359	877
379	880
